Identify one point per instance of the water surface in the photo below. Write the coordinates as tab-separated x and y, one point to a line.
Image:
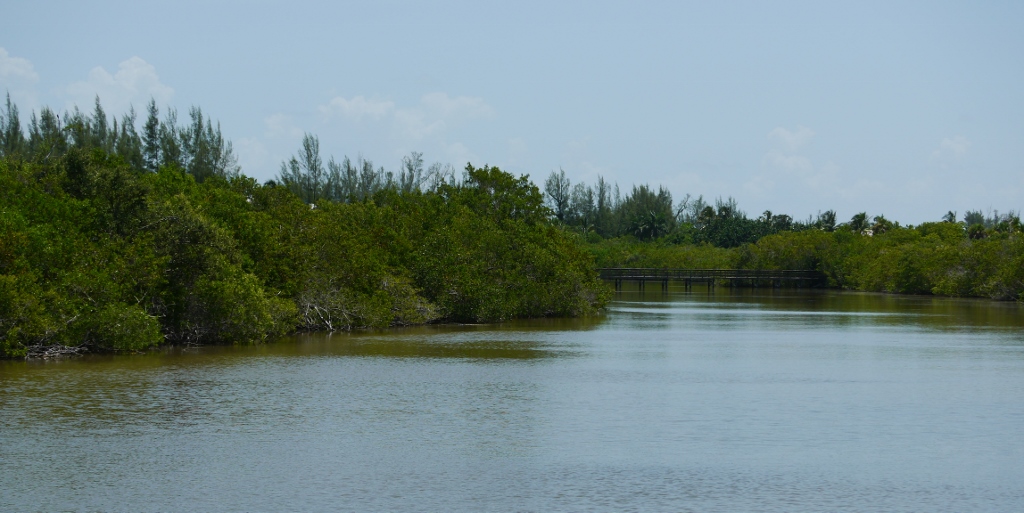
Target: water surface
753	400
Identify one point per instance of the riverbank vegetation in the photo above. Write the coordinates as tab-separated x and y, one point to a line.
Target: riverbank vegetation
115	240
118	239
980	255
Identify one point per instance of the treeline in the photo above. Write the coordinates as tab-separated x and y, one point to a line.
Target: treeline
978	257
306	175
601	212
112	238
197	147
99	251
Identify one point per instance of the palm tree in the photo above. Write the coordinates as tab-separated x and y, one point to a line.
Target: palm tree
859	222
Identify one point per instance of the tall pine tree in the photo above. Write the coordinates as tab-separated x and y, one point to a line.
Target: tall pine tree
11	138
151	137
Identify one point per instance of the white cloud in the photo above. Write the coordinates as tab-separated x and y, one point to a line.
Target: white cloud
789	163
459	154
822	179
18	78
432	124
280	126
958	145
578	159
952	148
252	155
437	112
15	70
432	117
357	108
134	83
791	140
260	156
759	185
415	124
460	108
786	163
826	177
577	148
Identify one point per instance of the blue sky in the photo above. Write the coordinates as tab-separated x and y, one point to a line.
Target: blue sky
907	109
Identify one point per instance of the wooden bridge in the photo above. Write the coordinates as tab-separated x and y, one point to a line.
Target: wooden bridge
732	277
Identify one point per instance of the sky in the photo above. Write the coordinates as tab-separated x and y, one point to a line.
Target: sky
904	109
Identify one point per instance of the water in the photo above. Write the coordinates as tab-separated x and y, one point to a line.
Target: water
736	401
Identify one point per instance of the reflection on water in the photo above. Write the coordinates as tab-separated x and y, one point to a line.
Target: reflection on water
768	400
887	309
512	341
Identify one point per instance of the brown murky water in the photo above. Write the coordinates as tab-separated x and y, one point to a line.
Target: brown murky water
736	401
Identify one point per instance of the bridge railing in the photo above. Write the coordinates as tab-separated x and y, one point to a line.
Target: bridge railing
642	273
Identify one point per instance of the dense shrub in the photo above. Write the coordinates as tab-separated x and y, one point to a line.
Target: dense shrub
121	327
94	253
934	258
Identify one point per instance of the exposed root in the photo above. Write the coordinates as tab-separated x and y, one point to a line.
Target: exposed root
55	351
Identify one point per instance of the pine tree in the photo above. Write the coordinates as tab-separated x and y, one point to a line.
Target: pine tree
170	144
11	137
99	133
129	145
151	137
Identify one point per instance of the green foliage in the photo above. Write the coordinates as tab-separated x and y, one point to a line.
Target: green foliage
493	193
788	250
233	309
725	229
199	147
628	252
23	316
308	178
558	192
488	253
98	250
118	242
648	214
121	327
11	138
933	258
